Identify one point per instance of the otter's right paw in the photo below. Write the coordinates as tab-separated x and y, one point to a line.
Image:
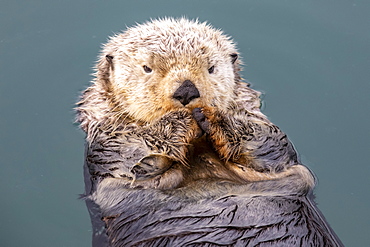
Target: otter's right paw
151	166
201	119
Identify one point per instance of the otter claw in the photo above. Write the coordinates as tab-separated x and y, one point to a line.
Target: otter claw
201	119
151	166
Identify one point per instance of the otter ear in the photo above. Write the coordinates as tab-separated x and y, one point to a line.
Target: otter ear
109	59
236	66
234	57
105	68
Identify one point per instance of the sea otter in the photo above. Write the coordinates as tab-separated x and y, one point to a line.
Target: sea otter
178	152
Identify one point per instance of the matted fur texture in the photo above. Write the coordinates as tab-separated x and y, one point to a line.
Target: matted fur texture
178	152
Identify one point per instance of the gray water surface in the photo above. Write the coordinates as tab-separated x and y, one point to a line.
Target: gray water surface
310	58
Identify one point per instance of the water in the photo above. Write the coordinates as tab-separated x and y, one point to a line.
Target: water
311	59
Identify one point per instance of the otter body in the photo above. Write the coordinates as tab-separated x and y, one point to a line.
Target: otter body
179	154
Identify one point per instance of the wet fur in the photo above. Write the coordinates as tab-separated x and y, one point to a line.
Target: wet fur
147	152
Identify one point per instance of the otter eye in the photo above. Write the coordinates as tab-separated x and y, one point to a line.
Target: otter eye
147	69
211	69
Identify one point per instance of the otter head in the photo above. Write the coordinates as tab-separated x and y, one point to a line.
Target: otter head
165	65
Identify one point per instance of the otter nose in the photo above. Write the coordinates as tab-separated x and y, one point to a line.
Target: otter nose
186	93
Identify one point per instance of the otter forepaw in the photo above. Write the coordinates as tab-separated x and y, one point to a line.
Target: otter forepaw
201	119
151	166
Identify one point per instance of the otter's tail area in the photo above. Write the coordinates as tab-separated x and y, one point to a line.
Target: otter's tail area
232	220
198	216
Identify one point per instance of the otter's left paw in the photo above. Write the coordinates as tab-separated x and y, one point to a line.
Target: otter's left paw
201	119
151	166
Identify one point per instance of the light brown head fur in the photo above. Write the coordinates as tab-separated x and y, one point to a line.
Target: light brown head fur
139	71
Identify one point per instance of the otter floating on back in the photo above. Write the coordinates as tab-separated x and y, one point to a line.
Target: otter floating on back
179	154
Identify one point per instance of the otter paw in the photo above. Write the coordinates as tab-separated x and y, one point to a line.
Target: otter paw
201	119
151	166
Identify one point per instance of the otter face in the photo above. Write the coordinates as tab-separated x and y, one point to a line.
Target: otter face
166	65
